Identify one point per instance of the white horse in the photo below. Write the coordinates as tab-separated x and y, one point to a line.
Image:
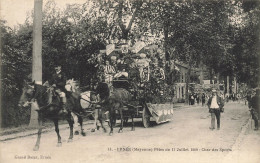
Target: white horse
86	103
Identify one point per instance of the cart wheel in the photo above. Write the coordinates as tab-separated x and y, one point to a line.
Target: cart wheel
146	118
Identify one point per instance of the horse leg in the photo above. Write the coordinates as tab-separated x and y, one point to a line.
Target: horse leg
76	120
70	121
81	126
133	123
101	123
122	120
98	117
37	145
95	121
58	132
111	118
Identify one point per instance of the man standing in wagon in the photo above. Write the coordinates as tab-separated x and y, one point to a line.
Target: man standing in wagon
109	72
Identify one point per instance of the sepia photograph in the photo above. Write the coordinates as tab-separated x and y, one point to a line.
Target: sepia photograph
129	81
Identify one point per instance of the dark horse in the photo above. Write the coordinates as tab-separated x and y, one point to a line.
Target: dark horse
113	99
49	107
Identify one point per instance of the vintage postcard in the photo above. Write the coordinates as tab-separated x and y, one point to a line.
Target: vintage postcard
138	81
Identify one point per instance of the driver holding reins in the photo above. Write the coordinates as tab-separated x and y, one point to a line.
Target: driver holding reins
58	81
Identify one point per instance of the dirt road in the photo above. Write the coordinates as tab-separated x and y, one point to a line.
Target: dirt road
186	138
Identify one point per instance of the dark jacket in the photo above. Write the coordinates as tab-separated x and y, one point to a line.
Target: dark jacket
220	102
59	80
203	97
255	103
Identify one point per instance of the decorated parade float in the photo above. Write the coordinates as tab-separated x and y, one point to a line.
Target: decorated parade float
137	67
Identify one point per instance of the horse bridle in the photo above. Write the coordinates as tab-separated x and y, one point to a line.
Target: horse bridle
32	98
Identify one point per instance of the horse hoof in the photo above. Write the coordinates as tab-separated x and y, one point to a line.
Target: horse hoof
70	140
98	127
132	129
76	133
120	131
83	133
92	130
104	130
111	133
36	148
59	144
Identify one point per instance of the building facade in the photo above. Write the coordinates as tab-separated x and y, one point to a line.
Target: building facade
180	85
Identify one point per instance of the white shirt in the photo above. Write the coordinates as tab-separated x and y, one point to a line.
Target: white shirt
214	103
109	69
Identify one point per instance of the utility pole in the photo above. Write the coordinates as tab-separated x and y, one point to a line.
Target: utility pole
37	55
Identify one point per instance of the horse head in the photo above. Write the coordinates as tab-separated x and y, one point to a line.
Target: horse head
102	91
27	94
41	93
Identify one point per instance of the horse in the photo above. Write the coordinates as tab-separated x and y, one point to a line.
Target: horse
74	99
88	101
113	99
49	107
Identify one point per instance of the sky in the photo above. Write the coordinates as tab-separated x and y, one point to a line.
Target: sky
15	11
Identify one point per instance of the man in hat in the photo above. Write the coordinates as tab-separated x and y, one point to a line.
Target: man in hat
254	107
58	81
215	103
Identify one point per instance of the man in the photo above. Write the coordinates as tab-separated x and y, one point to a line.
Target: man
145	72
192	99
58	81
215	103
254	107
121	67
248	98
203	99
109	72
227	97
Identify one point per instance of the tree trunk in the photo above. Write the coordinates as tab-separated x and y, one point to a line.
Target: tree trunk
126	28
166	38
211	76
167	55
235	85
228	90
37	54
201	73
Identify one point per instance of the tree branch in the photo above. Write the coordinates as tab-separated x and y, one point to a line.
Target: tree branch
134	15
120	16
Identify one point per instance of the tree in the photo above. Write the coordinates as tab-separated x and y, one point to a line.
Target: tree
246	40
158	18
120	14
14	68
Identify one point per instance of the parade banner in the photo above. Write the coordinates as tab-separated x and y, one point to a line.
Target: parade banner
138	46
110	48
206	81
161	112
151	47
